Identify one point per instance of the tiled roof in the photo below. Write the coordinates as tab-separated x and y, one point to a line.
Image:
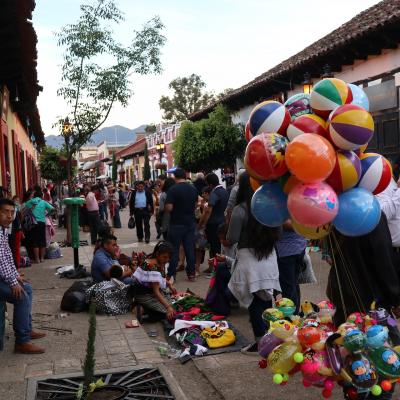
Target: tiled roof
134	148
355	33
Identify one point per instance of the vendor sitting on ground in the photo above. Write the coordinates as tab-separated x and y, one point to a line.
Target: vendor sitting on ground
104	258
151	283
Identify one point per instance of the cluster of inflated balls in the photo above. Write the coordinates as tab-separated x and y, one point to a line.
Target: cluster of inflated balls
357	354
307	162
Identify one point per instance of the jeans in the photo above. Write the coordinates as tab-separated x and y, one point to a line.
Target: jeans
289	270
255	310
142	218
213	239
177	235
94	224
103	210
22	321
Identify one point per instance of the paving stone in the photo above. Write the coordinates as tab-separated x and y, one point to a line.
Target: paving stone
39	369
12	373
138	347
207	362
118	350
146	354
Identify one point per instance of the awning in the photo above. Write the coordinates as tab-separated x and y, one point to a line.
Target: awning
89	165
101	177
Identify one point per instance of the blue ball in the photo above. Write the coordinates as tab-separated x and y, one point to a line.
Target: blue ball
377	335
359	212
360	98
269	205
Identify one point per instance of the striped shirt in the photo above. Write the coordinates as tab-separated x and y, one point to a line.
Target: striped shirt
8	272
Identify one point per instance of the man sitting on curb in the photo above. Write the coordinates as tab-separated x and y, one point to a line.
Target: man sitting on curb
104	258
14	290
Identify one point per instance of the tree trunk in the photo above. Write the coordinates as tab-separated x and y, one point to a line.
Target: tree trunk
67	210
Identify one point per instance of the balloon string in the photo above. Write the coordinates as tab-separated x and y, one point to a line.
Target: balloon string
347	271
337	276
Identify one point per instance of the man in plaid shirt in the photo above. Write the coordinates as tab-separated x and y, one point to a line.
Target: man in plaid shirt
14	290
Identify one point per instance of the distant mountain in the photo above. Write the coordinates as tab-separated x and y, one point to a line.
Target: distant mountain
113	135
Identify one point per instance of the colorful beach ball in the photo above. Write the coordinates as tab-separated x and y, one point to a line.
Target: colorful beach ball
298	104
247	134
376	172
313	204
360	98
347	171
310	157
269	117
311	233
327	95
359	212
350	127
265	156
308	123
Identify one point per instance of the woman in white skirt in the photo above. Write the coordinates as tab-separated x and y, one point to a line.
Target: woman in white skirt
255	276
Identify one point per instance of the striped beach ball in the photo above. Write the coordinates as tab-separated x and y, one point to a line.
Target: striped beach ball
329	94
347	171
350	127
308	123
269	117
376	172
247	134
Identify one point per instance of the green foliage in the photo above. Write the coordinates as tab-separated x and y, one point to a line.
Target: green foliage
146	171
51	166
88	366
188	97
114	175
96	70
210	143
151	128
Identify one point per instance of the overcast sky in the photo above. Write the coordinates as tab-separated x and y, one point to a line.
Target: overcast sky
226	42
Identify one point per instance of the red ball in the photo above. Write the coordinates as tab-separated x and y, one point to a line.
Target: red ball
306	383
308	335
352	394
386	385
265	156
263	364
326	393
329	384
284	383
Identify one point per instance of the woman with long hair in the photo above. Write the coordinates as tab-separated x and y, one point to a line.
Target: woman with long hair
255	276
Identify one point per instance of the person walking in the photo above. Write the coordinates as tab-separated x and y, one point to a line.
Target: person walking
200	183
14	290
36	237
92	207
102	197
214	214
163	217
255	277
290	249
141	207
181	204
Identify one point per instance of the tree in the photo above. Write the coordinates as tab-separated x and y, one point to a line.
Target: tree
151	128
89	363
52	164
146	170
114	168
92	84
188	97
210	143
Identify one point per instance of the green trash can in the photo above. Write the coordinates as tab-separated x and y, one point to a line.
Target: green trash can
73	204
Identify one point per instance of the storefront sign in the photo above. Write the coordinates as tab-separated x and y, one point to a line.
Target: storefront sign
382	96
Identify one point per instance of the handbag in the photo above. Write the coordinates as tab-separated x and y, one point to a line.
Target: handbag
307	272
28	219
111	297
131	223
217	337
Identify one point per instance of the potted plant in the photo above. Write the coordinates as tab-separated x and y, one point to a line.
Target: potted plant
91	390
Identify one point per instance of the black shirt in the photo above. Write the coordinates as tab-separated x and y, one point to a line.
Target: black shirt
183	196
218	201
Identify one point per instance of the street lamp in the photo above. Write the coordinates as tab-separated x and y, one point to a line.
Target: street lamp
67	128
160	146
307	83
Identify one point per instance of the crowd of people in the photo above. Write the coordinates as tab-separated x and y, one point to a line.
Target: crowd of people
253	264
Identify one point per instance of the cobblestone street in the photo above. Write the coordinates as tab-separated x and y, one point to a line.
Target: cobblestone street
228	376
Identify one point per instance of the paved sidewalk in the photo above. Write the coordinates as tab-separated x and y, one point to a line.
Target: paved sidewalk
230	376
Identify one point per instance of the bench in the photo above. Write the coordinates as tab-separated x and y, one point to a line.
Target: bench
2	323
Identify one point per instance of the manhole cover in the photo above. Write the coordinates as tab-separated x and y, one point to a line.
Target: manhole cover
141	384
